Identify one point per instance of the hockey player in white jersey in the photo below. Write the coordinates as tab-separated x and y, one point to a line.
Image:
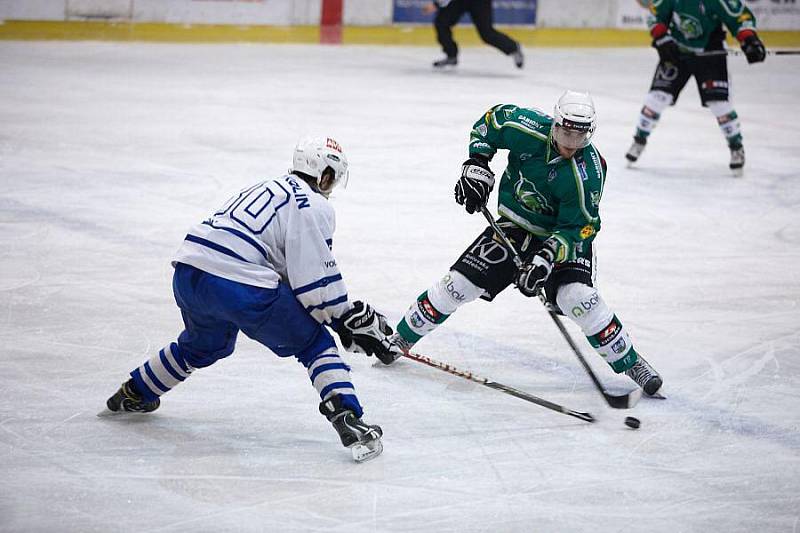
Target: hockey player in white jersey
263	265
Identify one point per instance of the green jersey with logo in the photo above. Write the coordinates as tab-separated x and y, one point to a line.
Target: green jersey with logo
693	23
540	190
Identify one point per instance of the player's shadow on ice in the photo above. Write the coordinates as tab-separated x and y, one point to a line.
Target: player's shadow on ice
679	173
462	73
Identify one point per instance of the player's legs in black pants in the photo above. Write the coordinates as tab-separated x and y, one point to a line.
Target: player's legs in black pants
445	19
482	17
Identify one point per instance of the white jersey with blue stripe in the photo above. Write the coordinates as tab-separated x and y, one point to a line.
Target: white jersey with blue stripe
277	231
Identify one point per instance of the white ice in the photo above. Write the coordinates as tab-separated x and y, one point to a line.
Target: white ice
109	152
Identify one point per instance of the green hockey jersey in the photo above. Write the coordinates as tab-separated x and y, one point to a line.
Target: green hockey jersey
696	23
540	190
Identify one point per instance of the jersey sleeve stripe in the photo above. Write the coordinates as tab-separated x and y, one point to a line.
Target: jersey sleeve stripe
249	240
329	303
317	284
216	247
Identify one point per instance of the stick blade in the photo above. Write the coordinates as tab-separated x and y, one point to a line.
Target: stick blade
625	401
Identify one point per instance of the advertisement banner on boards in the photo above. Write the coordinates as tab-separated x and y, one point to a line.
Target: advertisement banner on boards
776	14
632	14
506	12
770	14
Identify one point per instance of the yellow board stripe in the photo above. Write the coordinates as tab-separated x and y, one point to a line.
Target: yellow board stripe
155	32
406	35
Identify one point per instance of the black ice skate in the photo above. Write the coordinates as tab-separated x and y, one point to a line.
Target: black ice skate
636	149
363	439
519	59
737	160
449	61
645	376
127	400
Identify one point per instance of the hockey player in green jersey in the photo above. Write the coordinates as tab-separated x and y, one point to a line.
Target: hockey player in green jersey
689	37
548	199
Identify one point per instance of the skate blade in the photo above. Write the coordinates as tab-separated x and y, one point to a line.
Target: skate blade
108	412
737	172
366	450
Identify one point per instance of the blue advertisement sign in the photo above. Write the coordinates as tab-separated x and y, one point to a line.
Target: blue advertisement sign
510	12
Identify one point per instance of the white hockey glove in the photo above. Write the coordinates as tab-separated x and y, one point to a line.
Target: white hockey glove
364	330
533	274
475	184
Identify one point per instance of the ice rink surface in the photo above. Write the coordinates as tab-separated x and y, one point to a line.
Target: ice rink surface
109	152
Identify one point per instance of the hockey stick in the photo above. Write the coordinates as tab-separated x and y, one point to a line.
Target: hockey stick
450	369
624	401
732	52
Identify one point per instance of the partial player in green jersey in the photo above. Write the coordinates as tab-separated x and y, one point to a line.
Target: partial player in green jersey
689	36
549	197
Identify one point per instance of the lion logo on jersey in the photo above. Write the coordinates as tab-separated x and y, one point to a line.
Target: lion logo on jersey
690	27
531	199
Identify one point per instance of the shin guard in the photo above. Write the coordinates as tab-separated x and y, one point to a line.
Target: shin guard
603	330
654	104
728	121
436	304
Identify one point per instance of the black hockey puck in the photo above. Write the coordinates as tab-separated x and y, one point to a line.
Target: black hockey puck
632	422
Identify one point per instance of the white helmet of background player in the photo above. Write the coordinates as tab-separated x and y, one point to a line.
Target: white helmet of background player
322	159
574	121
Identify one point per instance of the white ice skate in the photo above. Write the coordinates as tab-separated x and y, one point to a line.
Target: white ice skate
737	161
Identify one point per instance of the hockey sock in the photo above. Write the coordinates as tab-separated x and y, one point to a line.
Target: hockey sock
436	304
160	374
603	330
654	104
331	377
728	122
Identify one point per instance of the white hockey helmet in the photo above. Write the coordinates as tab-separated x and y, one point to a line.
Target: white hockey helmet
314	155
574	120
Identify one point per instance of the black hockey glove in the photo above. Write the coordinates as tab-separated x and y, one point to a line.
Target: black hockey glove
754	49
475	184
533	274
667	49
364	330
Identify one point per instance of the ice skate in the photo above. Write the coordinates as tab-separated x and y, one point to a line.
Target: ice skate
446	62
127	400
401	346
737	160
645	376
363	439
519	59
636	149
